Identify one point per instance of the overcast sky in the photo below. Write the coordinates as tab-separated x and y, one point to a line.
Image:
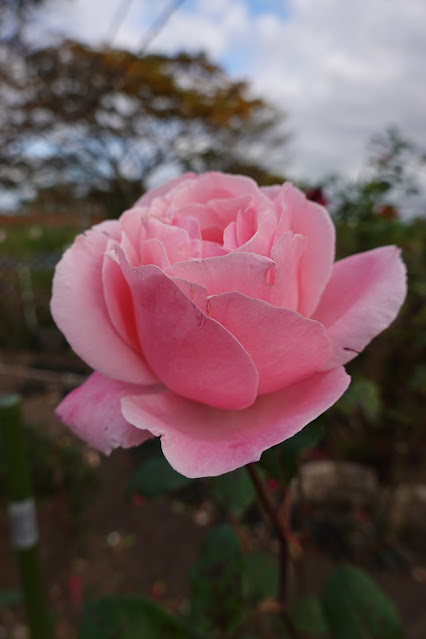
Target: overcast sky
342	69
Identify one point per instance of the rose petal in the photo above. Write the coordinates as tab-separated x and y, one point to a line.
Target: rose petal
223	212
215	199
246	224
131	225
79	309
118	300
362	298
93	412
303	217
211	227
130	251
213	187
177	243
192	354
284	346
287	256
272	191
242	272
213	249
199	441
162	190
195	292
260	241
190	224
152	251
230	239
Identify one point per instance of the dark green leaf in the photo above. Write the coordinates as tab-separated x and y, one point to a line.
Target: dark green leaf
282	461
308	618
260	577
234	491
272	462
156	477
10	597
129	618
363	394
217	603
356	608
306	438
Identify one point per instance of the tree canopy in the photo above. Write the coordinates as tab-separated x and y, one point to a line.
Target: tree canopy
100	123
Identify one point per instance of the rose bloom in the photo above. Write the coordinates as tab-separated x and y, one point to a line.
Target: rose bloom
215	317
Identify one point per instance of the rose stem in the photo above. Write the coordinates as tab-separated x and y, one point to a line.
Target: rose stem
301	563
270	510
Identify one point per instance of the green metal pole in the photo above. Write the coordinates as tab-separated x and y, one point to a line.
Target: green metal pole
22	516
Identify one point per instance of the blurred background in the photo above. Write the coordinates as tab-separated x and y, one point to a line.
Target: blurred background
100	101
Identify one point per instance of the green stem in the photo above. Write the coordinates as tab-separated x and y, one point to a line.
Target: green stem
21	510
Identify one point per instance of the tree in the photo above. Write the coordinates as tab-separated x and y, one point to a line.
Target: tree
102	122
390	183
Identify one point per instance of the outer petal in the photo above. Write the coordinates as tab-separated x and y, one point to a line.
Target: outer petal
78	308
192	354
363	297
93	412
199	441
285	346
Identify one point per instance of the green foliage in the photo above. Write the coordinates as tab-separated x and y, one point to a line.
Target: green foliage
155	477
129	618
260	577
57	465
10	597
216	584
388	389
27	258
363	396
281	462
31	241
234	491
308	618
356	608
370	204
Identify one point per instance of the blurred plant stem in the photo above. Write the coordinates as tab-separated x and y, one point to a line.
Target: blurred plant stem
280	524
22	516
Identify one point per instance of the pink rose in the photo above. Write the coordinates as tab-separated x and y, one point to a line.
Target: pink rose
214	317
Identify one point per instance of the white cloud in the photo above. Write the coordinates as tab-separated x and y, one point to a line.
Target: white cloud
92	21
342	69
